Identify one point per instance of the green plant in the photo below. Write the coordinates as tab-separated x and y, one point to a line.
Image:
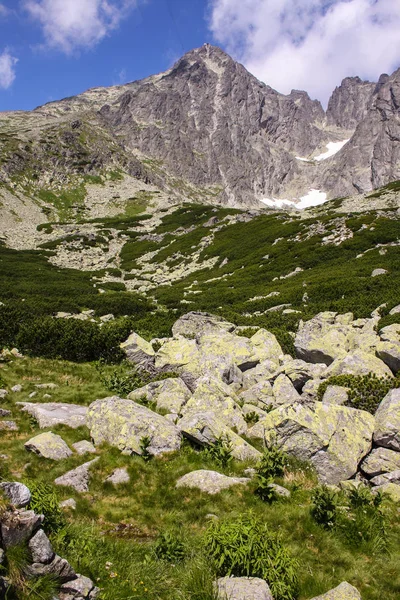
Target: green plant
220	451
144	448
17	559
2	382
272	463
324	506
44	501
251	417
170	547
264	489
245	546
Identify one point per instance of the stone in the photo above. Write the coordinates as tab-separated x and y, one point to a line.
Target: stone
259	374
243	588
335	394
77	478
377	272
259	394
84	447
107	318
48	445
70	503
17	388
58	567
389	353
320	340
41	548
139	351
266	346
169	394
17	493
358	362
176	353
3	394
80	587
18	527
395	310
392	477
390	489
46	386
56	413
197	323
381	460
4	412
344	591
284	391
280	490
118	476
124	423
8	426
390	333
206	428
387	432
333	438
210	482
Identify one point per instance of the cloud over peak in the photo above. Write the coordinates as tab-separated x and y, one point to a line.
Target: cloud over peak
69	25
309	44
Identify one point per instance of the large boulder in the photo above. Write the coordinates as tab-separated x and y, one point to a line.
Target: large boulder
390	489
260	394
56	413
389	353
210	482
176	353
196	323
40	548
335	394
321	340
266	346
358	362
333	438
344	591
169	394
387	432
18	527
138	351
124	423
206	428
48	445
381	460
77	478
284	391
79	587
266	370
59	568
392	477
243	588
17	493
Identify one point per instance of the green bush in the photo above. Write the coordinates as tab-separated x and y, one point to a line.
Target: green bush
364	391
220	451
272	463
245	547
324	506
170	547
44	501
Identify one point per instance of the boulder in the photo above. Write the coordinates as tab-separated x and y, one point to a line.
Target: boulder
392	477
169	394
333	438
389	353
124	423
77	478
58	568
48	445
284	391
4	412
259	394
17	493
40	548
206	428
118	476
176	353
381	460
138	351
377	272
390	489
335	394
242	588
321	340
268	369
210	482
18	527
79	587
358	362
17	388
266	346
280	490
387	431
390	333
3	394
84	447
344	591
56	413
70	503
8	426
196	323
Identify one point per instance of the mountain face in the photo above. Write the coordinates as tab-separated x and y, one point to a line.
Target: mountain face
209	130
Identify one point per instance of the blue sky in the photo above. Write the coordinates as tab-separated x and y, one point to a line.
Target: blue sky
50	49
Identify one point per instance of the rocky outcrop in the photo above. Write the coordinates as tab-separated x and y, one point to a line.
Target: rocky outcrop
56	413
349	103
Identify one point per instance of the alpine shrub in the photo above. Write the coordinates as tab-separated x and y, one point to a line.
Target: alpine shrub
44	501
169	547
220	451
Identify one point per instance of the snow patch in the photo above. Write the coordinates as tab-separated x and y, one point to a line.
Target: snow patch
303	159
313	198
332	149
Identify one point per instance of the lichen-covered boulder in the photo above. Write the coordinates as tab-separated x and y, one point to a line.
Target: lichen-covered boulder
266	370
84	447
390	333
344	591
358	362
56	413
266	346
48	445
210	482
205	429
17	493
321	340
259	394
381	460
169	394
176	353
390	489
196	323
124	423
40	548
284	391
387	432
389	353
77	478
222	349
243	588
333	438
335	394
392	477
138	351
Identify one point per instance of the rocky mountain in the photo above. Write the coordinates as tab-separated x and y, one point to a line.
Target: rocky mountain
206	130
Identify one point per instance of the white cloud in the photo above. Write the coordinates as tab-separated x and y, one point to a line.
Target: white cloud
69	25
3	10
7	69
309	44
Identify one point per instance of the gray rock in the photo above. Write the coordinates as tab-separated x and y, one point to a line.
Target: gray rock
243	588
280	490
139	351
344	591
321	340
18	527
358	362
48	445
41	548
381	460
389	353
195	324
395	310
4	412
77	478
58	567
56	413
335	394
8	426
387	431
377	272
284	391
17	388
46	386
389	489
118	476
169	394
17	493
210	482
124	423
80	587
392	477
349	103
84	447
3	394
70	503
